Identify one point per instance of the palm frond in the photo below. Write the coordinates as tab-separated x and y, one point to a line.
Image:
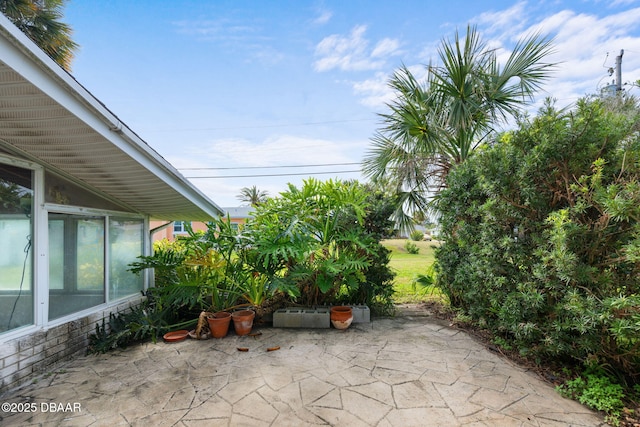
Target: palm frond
433	125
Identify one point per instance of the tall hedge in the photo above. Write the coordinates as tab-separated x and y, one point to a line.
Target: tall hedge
542	235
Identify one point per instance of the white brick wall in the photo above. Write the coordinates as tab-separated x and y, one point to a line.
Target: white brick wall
26	357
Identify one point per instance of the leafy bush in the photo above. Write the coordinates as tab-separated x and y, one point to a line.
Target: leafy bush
148	320
202	271
320	243
377	290
424	283
416	235
542	236
411	247
598	391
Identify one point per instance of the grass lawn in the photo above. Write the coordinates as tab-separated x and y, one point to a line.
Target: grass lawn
407	266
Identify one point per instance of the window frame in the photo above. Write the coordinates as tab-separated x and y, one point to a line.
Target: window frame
40	255
179	228
37	175
106	215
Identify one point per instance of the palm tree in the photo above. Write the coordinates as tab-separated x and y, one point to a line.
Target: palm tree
40	21
435	125
253	196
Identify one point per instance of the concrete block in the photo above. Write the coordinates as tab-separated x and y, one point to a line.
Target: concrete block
294	317
287	318
361	314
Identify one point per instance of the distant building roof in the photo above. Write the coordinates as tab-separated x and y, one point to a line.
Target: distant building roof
239	212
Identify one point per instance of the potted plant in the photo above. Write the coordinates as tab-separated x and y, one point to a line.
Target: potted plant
210	266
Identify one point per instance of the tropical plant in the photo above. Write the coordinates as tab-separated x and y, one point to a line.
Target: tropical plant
320	242
230	279
423	283
434	125
199	271
377	290
139	323
310	240
253	196
40	21
176	285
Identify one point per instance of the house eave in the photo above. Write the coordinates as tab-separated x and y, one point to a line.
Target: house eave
49	117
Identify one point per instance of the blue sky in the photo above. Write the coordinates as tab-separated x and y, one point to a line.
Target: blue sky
250	84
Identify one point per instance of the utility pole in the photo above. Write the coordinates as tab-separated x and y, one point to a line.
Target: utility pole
619	71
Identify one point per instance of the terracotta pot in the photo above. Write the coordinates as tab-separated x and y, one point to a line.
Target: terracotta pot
341	316
243	321
219	324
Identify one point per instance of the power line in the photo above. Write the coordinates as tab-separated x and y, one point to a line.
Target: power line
271	167
271	175
328	122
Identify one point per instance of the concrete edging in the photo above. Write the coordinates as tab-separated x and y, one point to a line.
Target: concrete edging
315	317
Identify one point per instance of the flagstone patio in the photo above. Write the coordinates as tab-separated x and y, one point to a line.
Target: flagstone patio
411	370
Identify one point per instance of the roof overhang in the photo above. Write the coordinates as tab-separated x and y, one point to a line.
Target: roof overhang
46	116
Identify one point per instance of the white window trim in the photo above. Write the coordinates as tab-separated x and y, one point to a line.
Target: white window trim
40	248
107	215
39	256
78	210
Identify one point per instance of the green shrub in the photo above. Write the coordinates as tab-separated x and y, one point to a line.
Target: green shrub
145	321
542	236
424	283
598	391
416	235
319	244
411	247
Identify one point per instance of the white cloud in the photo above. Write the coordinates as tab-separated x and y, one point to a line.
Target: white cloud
351	52
429	52
622	2
265	55
503	24
221	29
386	47
324	17
586	45
375	91
272	151
247	40
582	42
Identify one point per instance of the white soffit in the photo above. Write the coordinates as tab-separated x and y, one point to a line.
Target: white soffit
48	117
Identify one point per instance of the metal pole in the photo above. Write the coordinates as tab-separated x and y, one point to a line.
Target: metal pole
619	71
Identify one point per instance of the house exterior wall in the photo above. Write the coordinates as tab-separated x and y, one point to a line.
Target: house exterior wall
46	314
75	221
26	357
169	233
237	216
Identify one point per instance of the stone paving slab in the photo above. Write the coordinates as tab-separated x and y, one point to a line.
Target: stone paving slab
406	371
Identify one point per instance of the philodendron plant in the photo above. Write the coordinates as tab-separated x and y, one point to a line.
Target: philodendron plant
307	241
